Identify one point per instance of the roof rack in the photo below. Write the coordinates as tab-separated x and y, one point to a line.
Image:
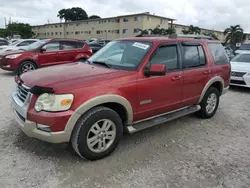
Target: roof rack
191	36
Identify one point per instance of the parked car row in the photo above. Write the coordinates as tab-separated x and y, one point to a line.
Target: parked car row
45	53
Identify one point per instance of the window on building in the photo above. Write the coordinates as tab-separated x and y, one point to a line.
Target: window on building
109	31
81	31
149	18
47	33
89	32
118	31
60	33
118	20
77	32
125	31
218	52
67	33
166	55
52	33
193	56
60	25
136	30
55	33
162	21
72	32
55	26
137	18
98	32
125	19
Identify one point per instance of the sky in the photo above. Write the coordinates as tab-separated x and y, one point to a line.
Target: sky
212	14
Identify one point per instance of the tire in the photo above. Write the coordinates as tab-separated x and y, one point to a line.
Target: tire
82	60
82	133
208	112
26	66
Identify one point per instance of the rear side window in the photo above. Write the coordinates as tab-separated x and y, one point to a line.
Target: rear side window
3	42
80	45
193	56
67	45
218	53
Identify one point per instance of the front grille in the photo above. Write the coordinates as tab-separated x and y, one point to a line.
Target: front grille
20	116
22	92
237	74
240	82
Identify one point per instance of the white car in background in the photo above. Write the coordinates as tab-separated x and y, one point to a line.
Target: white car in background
20	44
245	47
240	70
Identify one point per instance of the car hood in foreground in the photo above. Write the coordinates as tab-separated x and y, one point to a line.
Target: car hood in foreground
70	76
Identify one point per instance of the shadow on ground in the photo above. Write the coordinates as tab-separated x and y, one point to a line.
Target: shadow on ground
8	74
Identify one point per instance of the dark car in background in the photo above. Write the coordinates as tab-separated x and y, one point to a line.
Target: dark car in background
3	42
45	53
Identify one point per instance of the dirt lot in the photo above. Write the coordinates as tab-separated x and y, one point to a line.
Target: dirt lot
188	152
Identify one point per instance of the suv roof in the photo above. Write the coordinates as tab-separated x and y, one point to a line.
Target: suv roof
64	39
167	39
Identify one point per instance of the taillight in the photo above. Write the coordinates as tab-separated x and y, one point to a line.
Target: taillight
90	50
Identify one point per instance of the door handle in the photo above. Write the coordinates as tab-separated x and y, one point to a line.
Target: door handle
174	78
207	71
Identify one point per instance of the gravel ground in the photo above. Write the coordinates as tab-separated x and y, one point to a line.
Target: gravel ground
188	152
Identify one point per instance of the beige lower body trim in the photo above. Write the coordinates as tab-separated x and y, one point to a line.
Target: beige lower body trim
30	129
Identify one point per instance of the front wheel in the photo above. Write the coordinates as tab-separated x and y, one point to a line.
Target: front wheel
210	103
97	133
26	66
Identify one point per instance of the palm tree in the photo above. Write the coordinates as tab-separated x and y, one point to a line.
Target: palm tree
234	34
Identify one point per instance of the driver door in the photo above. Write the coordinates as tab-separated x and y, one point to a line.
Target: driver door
51	54
161	94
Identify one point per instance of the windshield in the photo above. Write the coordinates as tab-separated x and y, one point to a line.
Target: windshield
245	58
245	47
35	45
124	55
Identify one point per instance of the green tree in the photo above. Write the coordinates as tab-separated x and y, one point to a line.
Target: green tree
72	14
192	30
22	29
234	34
3	32
170	31
94	17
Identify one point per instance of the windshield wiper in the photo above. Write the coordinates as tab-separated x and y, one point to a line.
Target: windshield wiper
102	63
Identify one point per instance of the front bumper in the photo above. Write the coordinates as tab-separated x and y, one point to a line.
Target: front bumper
243	81
30	128
8	64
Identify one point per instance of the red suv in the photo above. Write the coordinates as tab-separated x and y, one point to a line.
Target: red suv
128	85
45	53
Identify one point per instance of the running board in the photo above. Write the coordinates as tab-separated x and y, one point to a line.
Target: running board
161	119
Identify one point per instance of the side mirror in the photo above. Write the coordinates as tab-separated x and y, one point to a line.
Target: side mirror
156	70
43	50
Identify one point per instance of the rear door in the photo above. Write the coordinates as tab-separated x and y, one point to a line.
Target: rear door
50	55
196	72
68	52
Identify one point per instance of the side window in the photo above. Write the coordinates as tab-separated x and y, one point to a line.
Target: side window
218	53
67	45
30	41
53	46
80	45
193	56
166	55
24	43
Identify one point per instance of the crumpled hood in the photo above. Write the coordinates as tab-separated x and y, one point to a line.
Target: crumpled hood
70	75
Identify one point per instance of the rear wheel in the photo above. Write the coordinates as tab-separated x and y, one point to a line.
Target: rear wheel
82	60
26	66
97	133
210	103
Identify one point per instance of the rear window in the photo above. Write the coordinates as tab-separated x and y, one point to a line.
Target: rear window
244	58
218	53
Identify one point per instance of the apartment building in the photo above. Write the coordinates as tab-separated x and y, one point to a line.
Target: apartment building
104	28
112	28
